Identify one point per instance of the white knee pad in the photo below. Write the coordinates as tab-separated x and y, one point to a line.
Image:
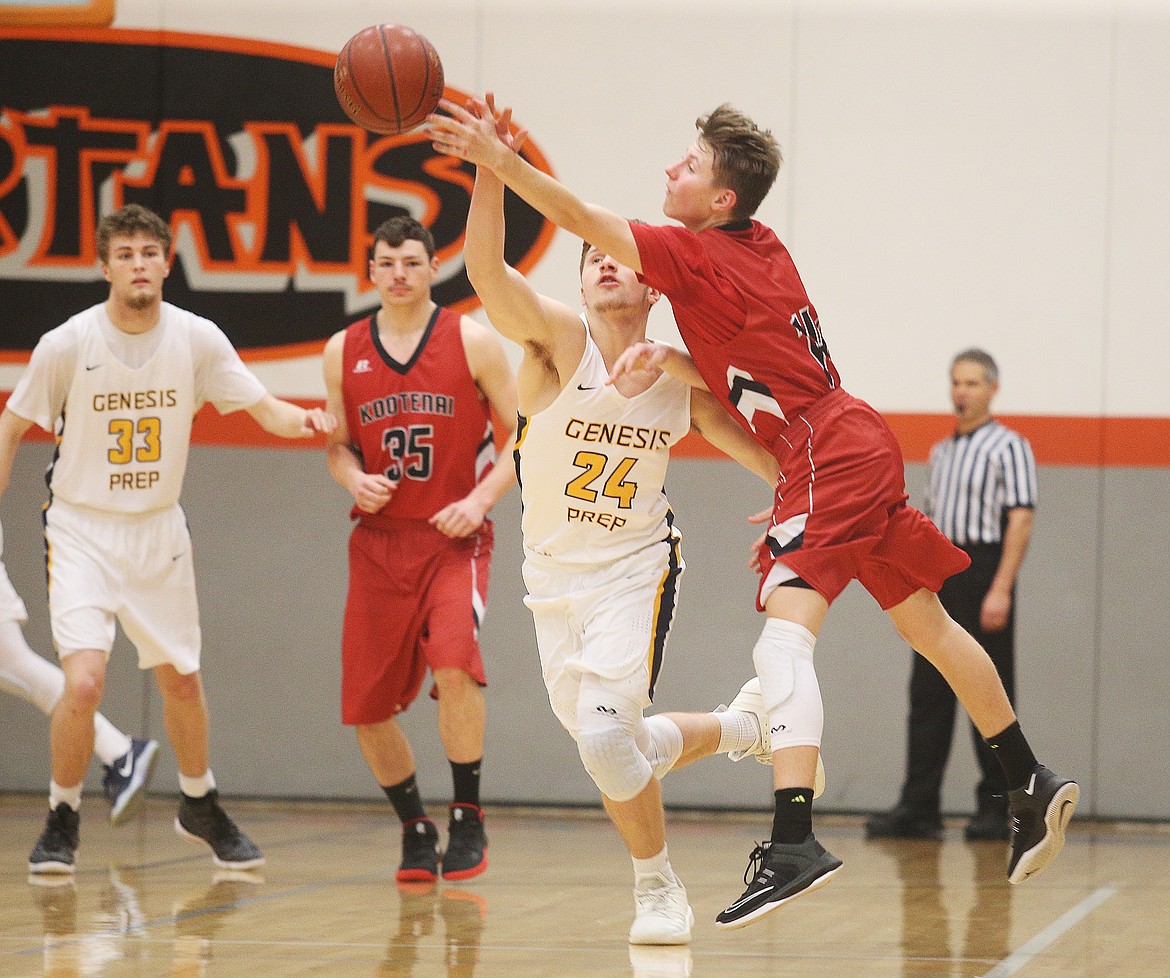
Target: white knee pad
665	746
783	657
608	733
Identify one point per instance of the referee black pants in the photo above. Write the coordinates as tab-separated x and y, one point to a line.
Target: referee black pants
932	703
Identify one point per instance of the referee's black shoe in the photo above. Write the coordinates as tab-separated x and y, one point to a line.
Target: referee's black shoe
901	822
1040	811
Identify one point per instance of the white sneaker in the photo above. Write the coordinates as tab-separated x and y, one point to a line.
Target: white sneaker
750	700
661	912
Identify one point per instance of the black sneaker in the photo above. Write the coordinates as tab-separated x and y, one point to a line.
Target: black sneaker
779	872
420	852
203	820
1040	812
54	850
987	826
466	854
901	822
125	781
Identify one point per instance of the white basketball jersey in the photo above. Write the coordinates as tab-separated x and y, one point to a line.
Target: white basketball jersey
125	432
592	466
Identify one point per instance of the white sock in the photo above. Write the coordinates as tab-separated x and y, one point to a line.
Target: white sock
59	794
197	787
658	865
109	743
666	744
737	731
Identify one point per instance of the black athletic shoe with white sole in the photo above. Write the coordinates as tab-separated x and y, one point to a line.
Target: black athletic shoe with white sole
58	843
1040	812
779	872
203	820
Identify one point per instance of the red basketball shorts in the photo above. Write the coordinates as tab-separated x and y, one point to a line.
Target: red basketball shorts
416	599
840	511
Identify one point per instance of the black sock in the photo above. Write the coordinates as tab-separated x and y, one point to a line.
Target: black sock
405	798
1014	755
466	780
792	822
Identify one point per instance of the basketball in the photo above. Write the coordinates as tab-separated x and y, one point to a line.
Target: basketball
388	78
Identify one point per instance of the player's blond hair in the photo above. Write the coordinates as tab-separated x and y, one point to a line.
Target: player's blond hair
127	221
747	158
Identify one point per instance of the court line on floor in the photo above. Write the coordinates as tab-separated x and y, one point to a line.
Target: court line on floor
1050	934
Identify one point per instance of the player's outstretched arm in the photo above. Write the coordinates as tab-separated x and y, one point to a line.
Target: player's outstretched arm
470	133
515	309
12	429
288	420
711	421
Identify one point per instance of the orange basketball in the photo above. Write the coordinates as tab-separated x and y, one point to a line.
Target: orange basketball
388	78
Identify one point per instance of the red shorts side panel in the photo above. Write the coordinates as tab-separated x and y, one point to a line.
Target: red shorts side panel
415	602
840	511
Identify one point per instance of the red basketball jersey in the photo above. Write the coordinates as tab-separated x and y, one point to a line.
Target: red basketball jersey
422	424
745	317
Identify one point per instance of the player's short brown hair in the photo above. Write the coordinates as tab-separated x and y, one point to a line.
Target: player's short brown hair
395	230
747	158
130	220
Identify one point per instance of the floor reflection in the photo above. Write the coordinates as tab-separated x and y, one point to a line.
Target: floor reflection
660	962
421	906
107	937
201	914
936	933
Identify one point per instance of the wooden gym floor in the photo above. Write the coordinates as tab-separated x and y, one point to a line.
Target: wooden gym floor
556	901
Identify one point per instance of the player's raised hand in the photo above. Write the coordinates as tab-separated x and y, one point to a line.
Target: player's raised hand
763	516
470	132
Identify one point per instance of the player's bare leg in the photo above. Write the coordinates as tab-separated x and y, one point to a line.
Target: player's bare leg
462	715
200	817
662	914
462	718
925	625
71	730
71	738
1042	803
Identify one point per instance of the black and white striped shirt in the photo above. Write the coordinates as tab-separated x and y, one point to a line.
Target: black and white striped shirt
974	478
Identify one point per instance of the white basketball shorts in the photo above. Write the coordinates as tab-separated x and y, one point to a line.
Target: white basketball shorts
133	569
611	622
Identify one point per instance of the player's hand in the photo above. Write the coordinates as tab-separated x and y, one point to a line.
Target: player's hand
460	518
317	420
763	516
470	132
513	139
371	492
993	615
642	357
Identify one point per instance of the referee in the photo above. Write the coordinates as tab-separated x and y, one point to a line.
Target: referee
982	493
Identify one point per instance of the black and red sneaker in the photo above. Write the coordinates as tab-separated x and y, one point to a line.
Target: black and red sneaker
420	852
466	854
